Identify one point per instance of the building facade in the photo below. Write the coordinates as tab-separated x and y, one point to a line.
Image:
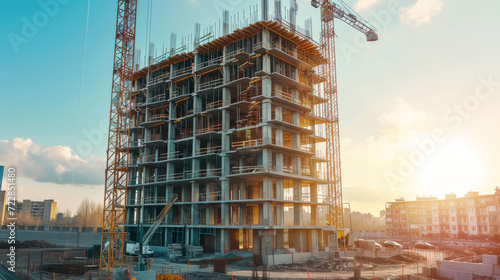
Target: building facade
473	215
44	210
235	129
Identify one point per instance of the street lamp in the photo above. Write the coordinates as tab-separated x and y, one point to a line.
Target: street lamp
350	217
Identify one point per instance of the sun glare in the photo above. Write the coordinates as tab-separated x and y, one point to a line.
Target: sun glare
453	167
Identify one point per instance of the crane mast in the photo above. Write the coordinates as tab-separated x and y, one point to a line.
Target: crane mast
330	11
115	193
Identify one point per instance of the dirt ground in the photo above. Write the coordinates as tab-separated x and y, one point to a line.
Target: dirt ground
71	263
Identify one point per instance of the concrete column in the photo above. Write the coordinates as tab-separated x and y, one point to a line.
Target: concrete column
314	241
195	210
243	214
280	239
279	162
266	243
226	95
280	207
300	242
295	94
267	207
313	189
297	208
169	193
267	158
279	137
296	118
266	83
195	236
224	241
208	215
278	113
224	206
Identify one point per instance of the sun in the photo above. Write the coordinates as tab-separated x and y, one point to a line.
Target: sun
454	166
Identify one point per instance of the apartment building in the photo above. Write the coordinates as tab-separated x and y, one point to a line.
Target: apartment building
473	215
45	210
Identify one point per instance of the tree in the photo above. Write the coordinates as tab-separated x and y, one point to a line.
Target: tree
89	214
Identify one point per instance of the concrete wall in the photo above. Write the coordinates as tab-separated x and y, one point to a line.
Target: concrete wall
476	268
490	259
348	254
454	274
291	258
70	239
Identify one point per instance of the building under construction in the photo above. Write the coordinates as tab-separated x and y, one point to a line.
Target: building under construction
236	129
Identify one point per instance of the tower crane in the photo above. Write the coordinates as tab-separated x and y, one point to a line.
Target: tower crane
115	192
330	11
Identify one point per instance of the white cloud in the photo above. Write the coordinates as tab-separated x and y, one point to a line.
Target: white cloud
421	12
54	164
364	5
403	117
194	3
365	163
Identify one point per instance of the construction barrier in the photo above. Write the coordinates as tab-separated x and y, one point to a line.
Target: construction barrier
168	277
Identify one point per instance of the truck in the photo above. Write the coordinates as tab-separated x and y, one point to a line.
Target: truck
133	249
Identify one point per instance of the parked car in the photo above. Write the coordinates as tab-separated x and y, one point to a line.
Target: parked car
423	245
392	244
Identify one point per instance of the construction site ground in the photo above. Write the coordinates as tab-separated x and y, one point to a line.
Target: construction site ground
70	263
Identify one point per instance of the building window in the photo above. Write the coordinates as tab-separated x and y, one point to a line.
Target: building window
473	228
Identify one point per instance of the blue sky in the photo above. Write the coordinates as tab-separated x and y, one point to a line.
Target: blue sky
431	57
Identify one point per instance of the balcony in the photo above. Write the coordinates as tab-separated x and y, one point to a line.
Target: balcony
160	78
214	62
186	174
246	143
158	117
159	98
208	150
182	71
155	179
247	169
215	104
209	84
212	196
212	128
231	55
206	173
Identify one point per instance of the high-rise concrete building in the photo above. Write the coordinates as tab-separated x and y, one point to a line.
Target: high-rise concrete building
1	176
235	128
471	215
3	197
